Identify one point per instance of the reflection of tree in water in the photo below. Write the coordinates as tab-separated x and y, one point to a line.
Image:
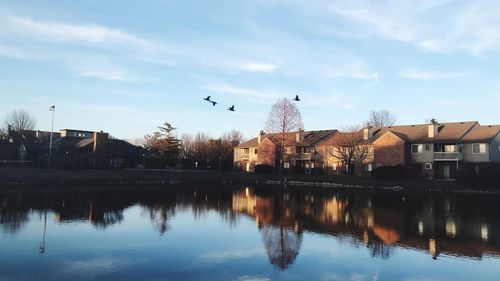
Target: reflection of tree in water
159	216
381	250
12	220
13	214
282	245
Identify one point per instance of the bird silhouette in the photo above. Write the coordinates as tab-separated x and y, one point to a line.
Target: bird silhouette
296	98
213	103
207	98
231	108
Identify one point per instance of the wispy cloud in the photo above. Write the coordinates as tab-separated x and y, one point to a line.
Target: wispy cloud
436	26
432	75
256	66
102	70
16	53
75	33
240	92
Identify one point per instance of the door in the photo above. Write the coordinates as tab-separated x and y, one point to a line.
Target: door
247	166
446	172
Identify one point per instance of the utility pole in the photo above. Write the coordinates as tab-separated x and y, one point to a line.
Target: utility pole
53	110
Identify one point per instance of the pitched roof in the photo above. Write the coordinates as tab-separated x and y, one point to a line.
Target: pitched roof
419	133
482	133
250	143
310	138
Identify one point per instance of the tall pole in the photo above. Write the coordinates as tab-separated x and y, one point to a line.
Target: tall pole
53	110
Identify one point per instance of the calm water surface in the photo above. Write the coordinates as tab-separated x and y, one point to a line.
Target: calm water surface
247	233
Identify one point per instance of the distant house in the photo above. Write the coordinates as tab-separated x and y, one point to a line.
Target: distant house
299	151
435	150
77	149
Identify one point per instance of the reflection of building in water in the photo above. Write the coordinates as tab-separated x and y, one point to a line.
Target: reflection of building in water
438	224
275	217
377	222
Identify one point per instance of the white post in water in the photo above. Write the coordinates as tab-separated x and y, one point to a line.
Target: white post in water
53	110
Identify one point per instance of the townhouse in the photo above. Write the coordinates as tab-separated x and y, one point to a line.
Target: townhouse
434	151
299	151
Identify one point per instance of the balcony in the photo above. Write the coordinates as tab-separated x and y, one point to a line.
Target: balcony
303	156
448	156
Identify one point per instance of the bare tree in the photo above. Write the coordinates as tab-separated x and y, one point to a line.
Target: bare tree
19	120
348	147
201	147
381	118
232	138
283	118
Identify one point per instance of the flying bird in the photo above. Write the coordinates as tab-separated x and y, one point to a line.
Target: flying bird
231	108
296	98
207	98
213	102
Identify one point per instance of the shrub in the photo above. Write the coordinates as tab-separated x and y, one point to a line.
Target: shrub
264	169
391	173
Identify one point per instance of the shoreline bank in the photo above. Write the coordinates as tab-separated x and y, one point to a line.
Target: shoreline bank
30	177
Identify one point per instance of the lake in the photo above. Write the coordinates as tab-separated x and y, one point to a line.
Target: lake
246	233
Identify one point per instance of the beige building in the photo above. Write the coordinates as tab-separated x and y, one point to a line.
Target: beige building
299	151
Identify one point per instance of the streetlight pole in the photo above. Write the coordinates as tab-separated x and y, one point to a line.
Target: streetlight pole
53	110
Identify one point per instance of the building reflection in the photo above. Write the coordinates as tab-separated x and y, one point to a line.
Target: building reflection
465	226
451	226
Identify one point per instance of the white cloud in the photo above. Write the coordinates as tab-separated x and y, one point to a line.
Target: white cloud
431	75
12	52
74	33
104	72
436	26
257	66
224	88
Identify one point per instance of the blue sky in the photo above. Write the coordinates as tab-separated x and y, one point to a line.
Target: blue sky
125	67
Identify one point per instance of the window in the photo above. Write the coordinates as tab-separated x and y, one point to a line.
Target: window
246	150
478	148
416	148
255	151
368	167
334	167
428	166
286	165
312	165
288	150
428	147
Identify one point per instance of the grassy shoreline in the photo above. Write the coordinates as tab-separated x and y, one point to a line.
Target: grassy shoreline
14	177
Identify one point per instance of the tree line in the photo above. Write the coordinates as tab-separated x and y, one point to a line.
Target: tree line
198	151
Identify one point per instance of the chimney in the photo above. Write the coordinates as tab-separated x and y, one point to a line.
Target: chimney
100	142
299	136
259	137
368	133
432	129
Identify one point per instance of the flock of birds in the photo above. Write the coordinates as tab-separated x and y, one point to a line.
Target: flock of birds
231	108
